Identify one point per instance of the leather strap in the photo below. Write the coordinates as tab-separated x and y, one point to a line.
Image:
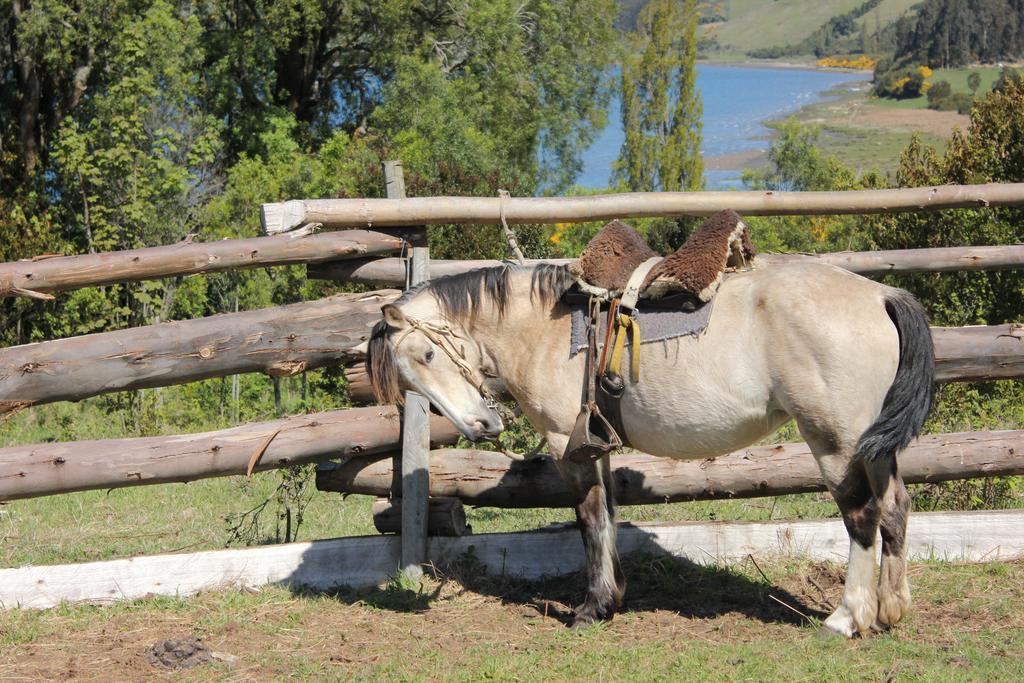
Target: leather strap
632	292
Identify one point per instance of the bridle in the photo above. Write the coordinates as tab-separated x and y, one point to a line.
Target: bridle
442	334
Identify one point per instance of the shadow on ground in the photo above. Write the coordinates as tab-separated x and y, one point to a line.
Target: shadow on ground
656	582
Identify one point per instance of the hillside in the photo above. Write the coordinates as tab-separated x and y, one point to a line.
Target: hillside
734	28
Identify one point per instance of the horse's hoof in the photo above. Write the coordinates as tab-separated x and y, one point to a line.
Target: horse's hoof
582	623
588	616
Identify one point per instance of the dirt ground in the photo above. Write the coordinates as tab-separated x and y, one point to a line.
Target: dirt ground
938	123
755	622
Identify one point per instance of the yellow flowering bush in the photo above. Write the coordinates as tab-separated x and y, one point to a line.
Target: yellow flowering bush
862	62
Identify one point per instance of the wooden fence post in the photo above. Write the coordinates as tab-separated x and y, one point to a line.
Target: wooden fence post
416	425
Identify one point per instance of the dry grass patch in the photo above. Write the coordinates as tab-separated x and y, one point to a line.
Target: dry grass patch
751	621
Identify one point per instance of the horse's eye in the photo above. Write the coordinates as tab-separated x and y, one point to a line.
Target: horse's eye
430	355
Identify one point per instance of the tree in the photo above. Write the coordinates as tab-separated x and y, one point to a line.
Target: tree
990	150
973	82
661	107
47	58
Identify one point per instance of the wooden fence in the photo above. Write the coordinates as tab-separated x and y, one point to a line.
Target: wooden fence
285	340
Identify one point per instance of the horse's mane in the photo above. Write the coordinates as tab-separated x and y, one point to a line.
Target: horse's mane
460	298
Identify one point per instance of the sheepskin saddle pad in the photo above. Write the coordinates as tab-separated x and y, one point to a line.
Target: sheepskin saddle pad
719	246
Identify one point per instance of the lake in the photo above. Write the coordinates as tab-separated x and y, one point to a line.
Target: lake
737	101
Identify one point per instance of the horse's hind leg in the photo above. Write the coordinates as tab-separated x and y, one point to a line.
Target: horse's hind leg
893	587
849	484
591	483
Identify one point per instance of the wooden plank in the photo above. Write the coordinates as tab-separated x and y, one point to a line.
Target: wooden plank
369	560
979	352
391	272
415	466
283	340
952	536
359	213
48	468
188	258
486	478
323	565
934	260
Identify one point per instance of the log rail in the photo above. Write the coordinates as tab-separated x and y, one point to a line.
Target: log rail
486	478
48	468
391	271
367	213
58	273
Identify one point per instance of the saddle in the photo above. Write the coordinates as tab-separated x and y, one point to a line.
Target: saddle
616	252
618	268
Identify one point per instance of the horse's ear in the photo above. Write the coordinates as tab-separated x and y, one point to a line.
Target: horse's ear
394	317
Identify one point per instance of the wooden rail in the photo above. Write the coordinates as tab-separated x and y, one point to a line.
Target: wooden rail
363	561
966	354
286	340
490	479
366	213
386	272
32	278
48	468
963	354
283	340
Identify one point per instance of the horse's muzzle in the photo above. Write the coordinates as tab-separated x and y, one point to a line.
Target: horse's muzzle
483	428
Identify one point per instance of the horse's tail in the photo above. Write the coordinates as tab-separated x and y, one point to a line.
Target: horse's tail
909	399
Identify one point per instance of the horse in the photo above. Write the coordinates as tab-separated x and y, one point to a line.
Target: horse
849	359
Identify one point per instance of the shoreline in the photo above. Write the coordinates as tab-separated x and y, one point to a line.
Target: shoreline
773	64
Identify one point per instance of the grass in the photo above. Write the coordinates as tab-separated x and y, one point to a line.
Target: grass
862	147
756	24
680	621
864	150
887	12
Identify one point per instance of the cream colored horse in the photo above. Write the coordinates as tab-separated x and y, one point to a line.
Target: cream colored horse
849	359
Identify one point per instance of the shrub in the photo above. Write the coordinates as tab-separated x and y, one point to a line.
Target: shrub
938	93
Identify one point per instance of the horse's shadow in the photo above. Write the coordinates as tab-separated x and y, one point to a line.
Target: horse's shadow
656	580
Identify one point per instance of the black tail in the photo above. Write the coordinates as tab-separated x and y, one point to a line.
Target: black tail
912	392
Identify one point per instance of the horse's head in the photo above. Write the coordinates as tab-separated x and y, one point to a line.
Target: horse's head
445	365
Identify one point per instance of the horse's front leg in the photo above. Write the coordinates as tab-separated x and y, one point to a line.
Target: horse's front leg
592	486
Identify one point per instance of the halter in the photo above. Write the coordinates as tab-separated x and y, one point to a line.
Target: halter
441	335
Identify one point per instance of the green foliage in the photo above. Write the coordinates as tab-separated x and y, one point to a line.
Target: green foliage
939	91
796	162
951	33
991	150
899	84
974	81
1007	76
661	108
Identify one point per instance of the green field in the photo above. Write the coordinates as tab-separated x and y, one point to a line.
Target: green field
887	12
957	80
860	148
757	24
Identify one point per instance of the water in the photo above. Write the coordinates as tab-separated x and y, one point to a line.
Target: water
737	100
